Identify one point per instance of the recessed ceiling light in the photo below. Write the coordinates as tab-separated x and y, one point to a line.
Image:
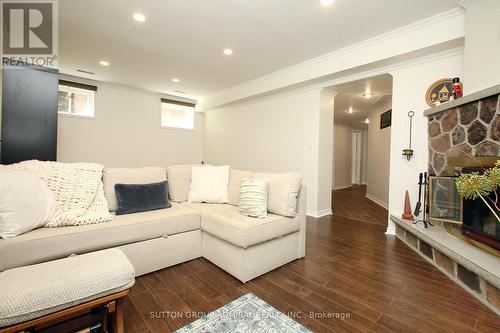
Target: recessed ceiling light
176	80
104	63
367	121
327	3
367	94
228	51
139	17
351	110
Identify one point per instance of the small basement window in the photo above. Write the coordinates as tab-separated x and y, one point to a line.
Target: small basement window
76	99
177	114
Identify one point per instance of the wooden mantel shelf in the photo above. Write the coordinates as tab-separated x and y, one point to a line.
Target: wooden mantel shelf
464	100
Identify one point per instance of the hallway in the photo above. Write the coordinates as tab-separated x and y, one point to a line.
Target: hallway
351	203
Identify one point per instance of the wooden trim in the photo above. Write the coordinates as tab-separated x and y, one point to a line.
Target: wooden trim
172	101
64	314
78	85
480	237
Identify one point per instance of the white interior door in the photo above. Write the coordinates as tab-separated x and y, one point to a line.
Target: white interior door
356	157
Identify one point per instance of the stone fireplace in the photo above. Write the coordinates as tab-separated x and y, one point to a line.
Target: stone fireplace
464	136
472	129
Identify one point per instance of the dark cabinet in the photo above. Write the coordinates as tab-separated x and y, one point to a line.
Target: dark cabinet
29	114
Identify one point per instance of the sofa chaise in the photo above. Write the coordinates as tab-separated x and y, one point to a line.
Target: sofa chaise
242	246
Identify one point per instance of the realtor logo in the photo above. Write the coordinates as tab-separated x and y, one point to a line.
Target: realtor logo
29	32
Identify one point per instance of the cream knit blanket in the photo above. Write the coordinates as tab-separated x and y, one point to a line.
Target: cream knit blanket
78	188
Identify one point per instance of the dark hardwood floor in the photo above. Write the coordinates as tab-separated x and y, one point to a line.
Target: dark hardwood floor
350	267
351	203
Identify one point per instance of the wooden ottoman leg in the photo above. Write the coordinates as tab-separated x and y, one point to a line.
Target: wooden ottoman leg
118	316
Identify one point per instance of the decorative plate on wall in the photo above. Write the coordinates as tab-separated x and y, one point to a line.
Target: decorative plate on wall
439	91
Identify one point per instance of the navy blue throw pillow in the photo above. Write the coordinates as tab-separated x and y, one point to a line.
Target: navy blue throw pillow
134	198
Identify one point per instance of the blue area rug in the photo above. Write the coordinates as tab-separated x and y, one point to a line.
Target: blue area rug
246	314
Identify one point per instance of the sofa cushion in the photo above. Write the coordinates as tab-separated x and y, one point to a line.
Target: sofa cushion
235	178
225	221
52	243
283	190
179	181
113	176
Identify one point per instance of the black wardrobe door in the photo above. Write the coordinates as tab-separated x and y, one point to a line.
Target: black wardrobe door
29	114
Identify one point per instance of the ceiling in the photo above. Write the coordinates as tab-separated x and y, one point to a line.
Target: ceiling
351	95
185	38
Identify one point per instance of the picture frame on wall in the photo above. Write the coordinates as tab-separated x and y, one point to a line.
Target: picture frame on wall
386	119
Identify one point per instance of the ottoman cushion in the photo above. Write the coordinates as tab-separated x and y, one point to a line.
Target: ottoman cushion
34	291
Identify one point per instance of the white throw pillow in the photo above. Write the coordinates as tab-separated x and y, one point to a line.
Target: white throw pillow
253	198
26	203
283	189
235	179
179	182
209	184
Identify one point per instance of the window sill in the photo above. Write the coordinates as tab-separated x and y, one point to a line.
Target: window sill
69	115
177	128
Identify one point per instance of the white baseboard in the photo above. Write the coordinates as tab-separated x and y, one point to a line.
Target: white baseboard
341	187
391	230
377	201
319	213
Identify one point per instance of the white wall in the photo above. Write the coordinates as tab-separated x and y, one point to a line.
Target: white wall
277	133
325	155
126	132
409	87
378	171
482	45
342	174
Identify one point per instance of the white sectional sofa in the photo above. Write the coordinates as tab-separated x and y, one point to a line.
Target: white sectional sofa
244	247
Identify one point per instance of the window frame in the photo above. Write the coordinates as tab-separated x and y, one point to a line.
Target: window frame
178	103
76	87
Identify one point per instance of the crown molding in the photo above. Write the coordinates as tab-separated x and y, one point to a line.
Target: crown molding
374	40
465	3
388	69
258	85
329	93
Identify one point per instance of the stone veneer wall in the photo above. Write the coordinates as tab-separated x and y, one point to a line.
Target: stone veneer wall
470	281
471	129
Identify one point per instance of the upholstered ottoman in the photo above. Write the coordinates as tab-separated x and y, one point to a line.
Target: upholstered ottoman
41	294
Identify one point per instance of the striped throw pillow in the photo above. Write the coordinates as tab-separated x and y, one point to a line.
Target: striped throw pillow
253	198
